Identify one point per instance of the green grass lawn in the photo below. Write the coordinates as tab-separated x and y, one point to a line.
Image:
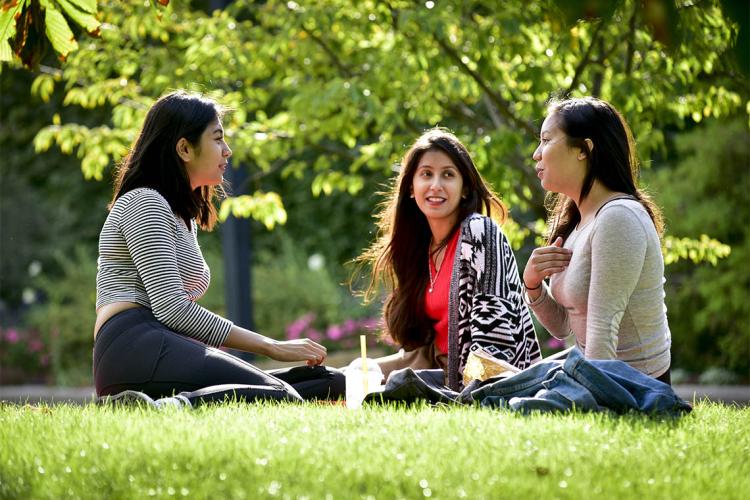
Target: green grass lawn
289	451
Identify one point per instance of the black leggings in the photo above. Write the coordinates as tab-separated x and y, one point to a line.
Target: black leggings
134	351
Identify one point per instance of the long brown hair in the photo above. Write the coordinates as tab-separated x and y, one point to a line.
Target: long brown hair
153	161
398	256
613	160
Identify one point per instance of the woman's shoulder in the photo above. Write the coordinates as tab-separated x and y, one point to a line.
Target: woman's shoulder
627	208
483	232
142	202
142	196
477	223
476	219
627	213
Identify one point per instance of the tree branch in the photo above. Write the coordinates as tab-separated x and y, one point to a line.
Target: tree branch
492	111
260	174
466	115
502	106
596	87
331	54
631	40
394	15
586	59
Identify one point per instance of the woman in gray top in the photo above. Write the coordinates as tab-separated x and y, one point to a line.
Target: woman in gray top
603	259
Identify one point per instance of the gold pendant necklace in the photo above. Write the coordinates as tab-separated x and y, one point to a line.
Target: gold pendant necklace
429	270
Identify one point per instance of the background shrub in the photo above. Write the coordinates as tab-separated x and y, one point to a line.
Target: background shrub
706	193
65	316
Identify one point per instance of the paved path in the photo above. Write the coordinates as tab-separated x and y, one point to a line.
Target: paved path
739	394
728	394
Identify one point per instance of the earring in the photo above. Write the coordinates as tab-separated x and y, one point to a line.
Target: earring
411	195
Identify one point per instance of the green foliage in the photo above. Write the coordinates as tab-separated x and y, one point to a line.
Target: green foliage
65	317
45	207
706	192
287	288
266	208
338	87
700	250
326	451
22	22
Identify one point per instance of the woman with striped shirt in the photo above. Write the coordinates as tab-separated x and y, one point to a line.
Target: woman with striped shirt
150	334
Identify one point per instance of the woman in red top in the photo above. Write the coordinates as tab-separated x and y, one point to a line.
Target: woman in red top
452	276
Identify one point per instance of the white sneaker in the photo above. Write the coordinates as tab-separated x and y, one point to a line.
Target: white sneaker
178	401
136	398
127	398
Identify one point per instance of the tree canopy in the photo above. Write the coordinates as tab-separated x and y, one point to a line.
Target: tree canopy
343	86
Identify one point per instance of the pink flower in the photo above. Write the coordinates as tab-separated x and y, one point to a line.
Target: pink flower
335	332
12	336
314	335
350	326
295	328
35	345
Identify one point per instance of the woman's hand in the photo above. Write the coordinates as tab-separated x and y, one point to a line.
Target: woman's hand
544	262
297	350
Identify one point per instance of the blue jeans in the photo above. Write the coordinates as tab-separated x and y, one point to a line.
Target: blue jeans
575	382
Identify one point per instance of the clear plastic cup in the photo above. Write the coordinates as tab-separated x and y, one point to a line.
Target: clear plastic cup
360	383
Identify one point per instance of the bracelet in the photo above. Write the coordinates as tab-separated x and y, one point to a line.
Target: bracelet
535	288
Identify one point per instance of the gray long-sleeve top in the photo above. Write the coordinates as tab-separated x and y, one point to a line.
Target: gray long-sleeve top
611	296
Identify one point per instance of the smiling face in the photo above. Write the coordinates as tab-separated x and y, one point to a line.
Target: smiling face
207	161
560	168
437	187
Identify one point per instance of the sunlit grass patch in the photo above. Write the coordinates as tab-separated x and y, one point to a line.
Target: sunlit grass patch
326	451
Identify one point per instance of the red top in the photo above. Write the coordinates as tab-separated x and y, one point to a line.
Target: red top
436	302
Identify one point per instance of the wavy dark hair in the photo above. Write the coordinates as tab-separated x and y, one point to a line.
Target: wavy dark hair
398	256
612	161
153	161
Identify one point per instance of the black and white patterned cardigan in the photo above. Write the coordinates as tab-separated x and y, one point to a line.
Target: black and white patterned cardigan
486	306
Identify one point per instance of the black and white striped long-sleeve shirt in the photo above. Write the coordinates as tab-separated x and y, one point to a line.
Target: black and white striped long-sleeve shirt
148	256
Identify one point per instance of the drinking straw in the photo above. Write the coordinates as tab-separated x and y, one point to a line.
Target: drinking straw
363	348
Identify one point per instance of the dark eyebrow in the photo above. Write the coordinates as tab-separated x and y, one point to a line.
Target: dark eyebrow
439	167
219	130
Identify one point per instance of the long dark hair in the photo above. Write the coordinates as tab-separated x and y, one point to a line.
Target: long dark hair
612	161
398	257
153	161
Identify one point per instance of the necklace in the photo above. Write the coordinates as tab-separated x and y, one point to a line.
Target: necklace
431	264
